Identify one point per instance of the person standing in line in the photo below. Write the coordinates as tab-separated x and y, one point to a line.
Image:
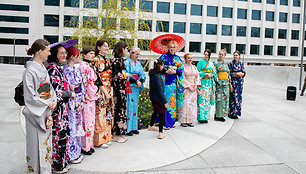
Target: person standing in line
304	86
40	100
188	113
157	97
76	105
222	91
137	78
60	129
104	105
206	96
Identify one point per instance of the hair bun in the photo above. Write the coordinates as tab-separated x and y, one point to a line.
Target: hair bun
30	52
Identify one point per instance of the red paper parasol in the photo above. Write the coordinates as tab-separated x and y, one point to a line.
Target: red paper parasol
159	44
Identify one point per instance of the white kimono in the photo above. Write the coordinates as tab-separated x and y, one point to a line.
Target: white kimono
38	137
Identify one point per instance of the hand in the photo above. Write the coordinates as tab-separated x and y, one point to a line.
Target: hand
231	88
208	75
108	96
139	84
73	95
81	107
171	71
166	105
71	87
52	105
127	75
240	73
49	122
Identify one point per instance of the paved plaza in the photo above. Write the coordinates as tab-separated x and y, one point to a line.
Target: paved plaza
269	138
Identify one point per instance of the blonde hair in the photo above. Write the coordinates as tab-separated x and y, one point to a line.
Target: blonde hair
224	51
186	54
172	42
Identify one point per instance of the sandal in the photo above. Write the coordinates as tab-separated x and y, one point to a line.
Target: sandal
161	135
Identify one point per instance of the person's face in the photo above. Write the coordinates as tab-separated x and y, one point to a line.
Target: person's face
206	55
236	56
188	59
161	67
44	53
172	49
221	55
134	54
124	51
61	55
89	56
103	49
76	58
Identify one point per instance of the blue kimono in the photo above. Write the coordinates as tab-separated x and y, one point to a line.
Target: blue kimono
135	70
174	88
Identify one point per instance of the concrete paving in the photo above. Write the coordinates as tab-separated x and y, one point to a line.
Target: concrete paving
268	138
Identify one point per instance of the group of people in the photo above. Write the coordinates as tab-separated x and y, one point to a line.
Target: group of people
73	105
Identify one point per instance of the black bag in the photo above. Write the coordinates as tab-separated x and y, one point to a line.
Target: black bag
291	93
19	98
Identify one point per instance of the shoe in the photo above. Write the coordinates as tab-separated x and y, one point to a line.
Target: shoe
105	146
161	135
64	170
172	126
166	128
135	132
203	121
119	139
219	119
233	117
92	150
86	153
77	161
190	124
184	124
152	128
301	94
109	143
129	134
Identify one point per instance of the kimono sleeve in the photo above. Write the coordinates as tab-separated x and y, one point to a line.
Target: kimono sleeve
185	81
200	69
214	72
142	75
55	82
197	79
180	66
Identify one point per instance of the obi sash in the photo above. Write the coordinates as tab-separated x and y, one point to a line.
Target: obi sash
207	71
190	79
222	75
128	84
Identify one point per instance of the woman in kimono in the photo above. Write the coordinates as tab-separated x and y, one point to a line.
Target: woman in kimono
38	107
237	74
173	78
88	77
208	76
75	106
60	129
104	105
119	85
188	113
222	90
137	78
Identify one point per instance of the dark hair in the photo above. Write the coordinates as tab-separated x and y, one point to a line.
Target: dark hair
208	51
99	44
87	49
157	64
117	52
72	51
53	56
238	52
39	44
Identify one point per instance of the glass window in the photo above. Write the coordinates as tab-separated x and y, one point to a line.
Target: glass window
129	42
240	48
258	1
269	32
256	14
242	13
51	39
52	20
227	46
163	7
146	6
6	41
14	19
281	50
195	28
71	3
179	8
71	21
242	0
226	30
211	46
241	31
145	25
270	1
282	34
91	4
14	30
162	26
195	47
14	7
295	34
144	44
52	2
254	49
283	2
283	17
295	18
211	29
89	41
269	16
255	32
128	5
90	22
268	50
304	51
212	11
179	27
296	3
227	12
110	23
196	10
294	51
127	24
